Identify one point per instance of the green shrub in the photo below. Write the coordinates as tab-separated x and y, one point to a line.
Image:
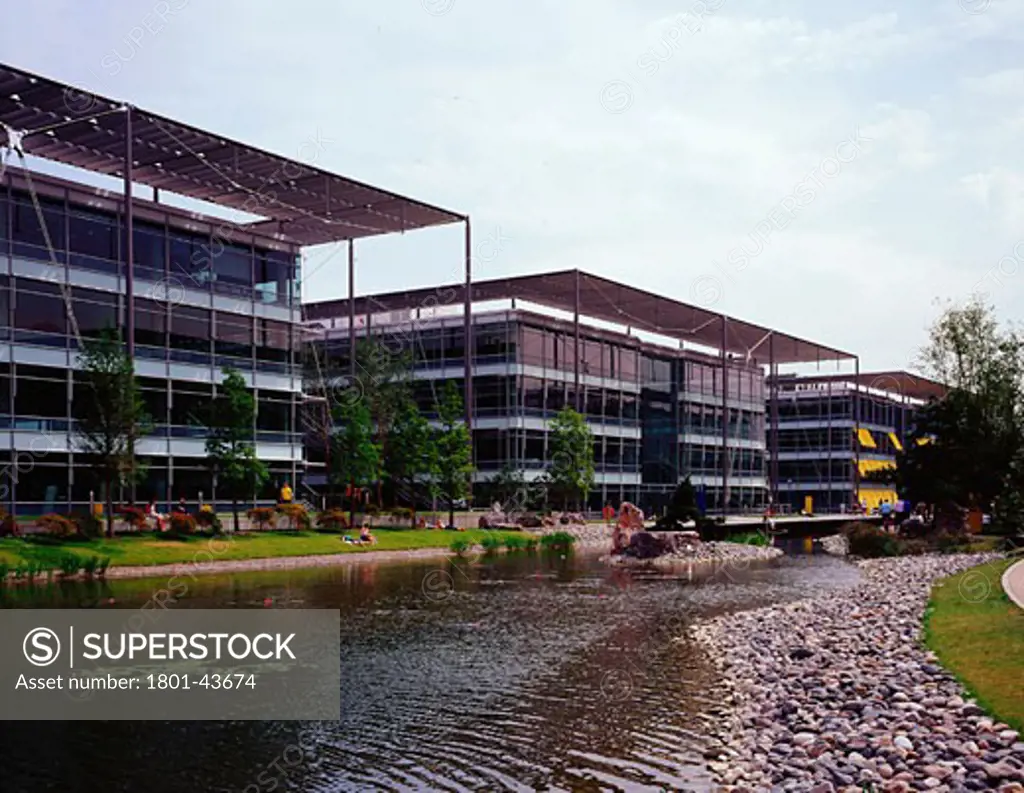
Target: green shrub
869	541
4	570
491	544
69	564
514	543
530	544
102	566
90	565
87	524
460	546
750	538
557	541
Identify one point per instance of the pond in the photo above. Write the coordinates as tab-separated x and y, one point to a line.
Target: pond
516	672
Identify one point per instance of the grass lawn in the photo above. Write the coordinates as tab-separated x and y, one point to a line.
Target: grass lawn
148	549
978	634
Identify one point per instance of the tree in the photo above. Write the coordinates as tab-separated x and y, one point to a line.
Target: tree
412	456
113	416
971	436
383	372
355	458
683	506
454	452
571	471
230	447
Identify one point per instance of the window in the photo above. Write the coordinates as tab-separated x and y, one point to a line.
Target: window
150	323
555	396
274	271
273	415
592	358
190	328
96	311
149	249
4	225
234	335
533	394
34	397
271	340
232	269
190	260
27	233
533	346
42	313
93	236
190	403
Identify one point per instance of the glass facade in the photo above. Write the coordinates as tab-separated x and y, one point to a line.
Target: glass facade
201	304
656	416
818	443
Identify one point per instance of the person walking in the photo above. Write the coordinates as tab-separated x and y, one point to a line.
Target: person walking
286	493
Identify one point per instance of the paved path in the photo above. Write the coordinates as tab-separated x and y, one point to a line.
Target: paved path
1013	582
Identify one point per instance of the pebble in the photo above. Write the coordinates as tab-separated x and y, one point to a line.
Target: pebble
867	706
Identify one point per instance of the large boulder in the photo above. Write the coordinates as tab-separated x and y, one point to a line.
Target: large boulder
529	521
644	545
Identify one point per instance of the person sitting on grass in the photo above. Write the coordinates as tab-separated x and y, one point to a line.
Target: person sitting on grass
365	537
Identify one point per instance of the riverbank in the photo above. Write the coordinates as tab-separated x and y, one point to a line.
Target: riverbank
836	692
147	554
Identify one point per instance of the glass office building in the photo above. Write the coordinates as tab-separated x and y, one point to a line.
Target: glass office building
656	412
201	305
836	432
193	291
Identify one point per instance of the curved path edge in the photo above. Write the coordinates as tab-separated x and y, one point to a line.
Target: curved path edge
1013	583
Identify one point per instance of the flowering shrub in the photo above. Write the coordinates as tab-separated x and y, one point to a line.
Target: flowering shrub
261	517
182	523
135	517
57	525
8	525
206	518
332	520
297	516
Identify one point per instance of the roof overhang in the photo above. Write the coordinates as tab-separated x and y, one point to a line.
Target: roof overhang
608	301
305	204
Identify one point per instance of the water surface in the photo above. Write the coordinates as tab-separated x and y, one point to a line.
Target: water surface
520	672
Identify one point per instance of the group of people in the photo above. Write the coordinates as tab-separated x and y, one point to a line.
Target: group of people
159	518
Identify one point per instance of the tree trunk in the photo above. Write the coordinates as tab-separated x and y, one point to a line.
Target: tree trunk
352	506
109	499
451	506
234	511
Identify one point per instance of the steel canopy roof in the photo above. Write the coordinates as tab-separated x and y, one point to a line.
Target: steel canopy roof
300	202
609	301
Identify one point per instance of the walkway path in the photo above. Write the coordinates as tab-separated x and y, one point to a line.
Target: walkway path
1013	582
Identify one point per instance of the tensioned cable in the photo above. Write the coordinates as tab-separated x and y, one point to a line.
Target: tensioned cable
282	204
15	143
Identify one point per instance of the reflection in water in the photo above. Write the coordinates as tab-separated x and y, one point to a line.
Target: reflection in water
517	672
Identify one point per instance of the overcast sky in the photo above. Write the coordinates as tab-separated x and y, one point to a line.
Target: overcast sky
827	169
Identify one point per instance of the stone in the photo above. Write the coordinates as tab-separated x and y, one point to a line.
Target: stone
800	653
903	742
804	738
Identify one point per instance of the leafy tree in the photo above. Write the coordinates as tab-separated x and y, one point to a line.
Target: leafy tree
976	429
683	506
383	372
230	447
113	416
571	471
355	458
412	456
454	451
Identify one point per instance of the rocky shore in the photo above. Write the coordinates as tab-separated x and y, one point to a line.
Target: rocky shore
836	693
725	552
835	544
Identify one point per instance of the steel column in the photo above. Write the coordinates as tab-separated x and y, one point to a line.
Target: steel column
129	225
773	417
467	325
576	344
352	309
725	418
856	429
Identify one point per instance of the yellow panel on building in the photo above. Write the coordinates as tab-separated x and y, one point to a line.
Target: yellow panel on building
872	497
896	441
866	439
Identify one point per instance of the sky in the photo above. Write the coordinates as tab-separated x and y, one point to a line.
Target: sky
835	171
